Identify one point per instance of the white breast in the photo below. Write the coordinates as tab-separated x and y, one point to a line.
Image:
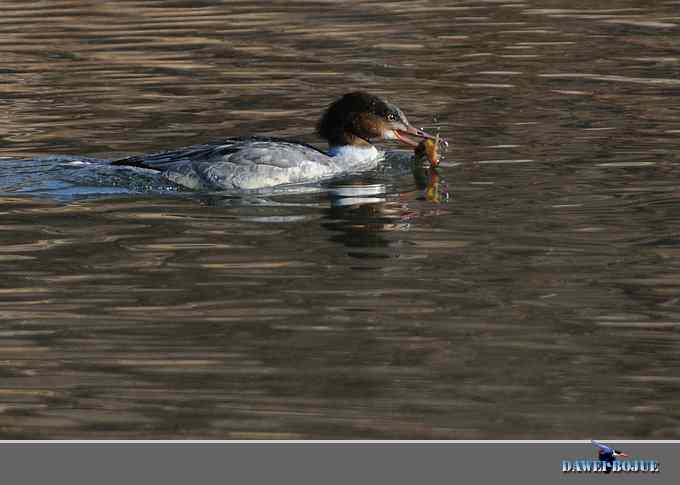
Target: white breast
351	153
348	158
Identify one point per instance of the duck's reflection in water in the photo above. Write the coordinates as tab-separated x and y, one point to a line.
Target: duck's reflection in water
365	215
368	218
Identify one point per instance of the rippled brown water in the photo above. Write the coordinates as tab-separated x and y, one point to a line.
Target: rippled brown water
543	301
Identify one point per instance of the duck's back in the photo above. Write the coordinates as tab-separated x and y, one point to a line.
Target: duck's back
240	163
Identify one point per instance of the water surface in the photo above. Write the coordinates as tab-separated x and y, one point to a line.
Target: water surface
541	301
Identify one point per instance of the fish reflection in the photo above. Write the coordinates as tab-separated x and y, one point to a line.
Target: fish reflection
434	186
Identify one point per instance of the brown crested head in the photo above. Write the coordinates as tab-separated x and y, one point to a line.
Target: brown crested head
357	118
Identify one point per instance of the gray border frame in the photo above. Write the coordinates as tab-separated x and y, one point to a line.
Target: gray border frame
392	463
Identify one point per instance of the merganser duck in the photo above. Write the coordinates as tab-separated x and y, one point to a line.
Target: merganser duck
348	125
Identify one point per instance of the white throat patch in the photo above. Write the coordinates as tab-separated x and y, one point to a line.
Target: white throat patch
354	153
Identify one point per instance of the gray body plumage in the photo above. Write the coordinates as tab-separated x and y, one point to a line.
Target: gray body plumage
249	163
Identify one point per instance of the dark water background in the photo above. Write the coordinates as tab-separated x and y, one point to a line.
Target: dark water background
541	301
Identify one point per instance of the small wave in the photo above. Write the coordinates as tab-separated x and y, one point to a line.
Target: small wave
66	177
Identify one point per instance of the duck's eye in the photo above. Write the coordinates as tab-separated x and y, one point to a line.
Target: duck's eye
391	117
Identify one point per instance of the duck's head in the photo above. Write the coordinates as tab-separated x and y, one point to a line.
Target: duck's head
358	118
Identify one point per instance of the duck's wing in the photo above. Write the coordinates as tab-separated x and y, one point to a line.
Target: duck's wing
246	163
157	161
275	152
